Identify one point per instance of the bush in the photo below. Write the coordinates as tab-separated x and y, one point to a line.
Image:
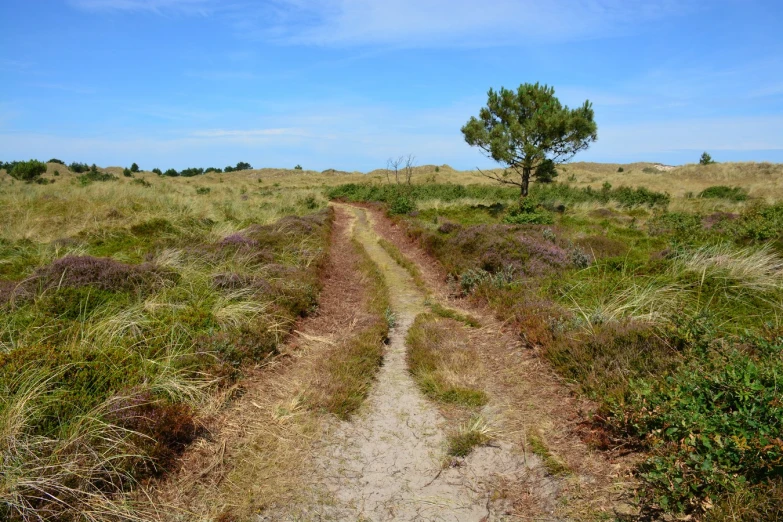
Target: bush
134	168
55	160
203	190
78	168
243	166
298	167
713	426
127	173
706	159
402	204
724	192
142	182
193	171
528	214
171	173
620	169
28	170
56	172
94	175
213	169
157	171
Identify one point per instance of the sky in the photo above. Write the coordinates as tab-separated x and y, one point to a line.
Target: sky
347	84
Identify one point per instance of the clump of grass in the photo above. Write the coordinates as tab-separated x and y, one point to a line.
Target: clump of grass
404	262
474	433
449	313
445	369
552	463
724	192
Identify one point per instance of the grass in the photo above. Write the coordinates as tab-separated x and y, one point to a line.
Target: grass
552	464
446	368
449	313
350	370
469	436
124	312
404	262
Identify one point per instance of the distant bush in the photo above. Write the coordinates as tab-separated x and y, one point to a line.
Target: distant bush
213	169
56	172
402	204
171	173
78	168
620	169
28	170
229	168
706	159
203	190
55	160
142	182
157	171
95	175
8	165
193	171
243	166
298	167
527	213
724	192
134	168
127	173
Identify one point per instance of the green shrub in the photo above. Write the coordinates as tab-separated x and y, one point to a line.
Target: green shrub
157	171
705	159
94	175
28	170
526	213
142	182
298	167
56	172
127	173
203	190
78	168
724	192
713	426
55	160
134	167
402	204
213	169
171	173
620	169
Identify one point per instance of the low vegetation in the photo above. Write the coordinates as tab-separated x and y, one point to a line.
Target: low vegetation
123	311
668	319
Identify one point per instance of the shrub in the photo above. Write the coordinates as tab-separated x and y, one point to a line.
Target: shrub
127	173
171	172
56	172
203	190
134	168
724	192
713	426
28	170
620	169
298	167
78	168
243	166
94	175
193	171
101	273
528	214
142	182
706	159
402	204
213	169
157	171
55	160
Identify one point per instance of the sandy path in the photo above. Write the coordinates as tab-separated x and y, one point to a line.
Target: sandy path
388	462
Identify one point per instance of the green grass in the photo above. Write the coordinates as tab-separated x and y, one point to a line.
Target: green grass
449	313
552	464
404	262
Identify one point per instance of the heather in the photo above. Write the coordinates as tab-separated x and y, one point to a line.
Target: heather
124	313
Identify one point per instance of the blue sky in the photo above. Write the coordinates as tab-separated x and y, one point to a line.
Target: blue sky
346	84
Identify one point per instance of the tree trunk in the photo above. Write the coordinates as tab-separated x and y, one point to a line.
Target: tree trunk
525	180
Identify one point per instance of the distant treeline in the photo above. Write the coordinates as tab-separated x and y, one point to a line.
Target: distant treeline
80	168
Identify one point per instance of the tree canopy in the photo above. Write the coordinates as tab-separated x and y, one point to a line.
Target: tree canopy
529	132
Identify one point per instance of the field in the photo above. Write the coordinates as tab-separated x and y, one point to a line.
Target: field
173	348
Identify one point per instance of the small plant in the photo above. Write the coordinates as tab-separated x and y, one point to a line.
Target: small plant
56	172
620	169
78	168
142	182
549	235
298	167
157	171
437	169
55	160
171	173
127	173
28	171
402	204
134	168
706	159
391	318
203	190
473	433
